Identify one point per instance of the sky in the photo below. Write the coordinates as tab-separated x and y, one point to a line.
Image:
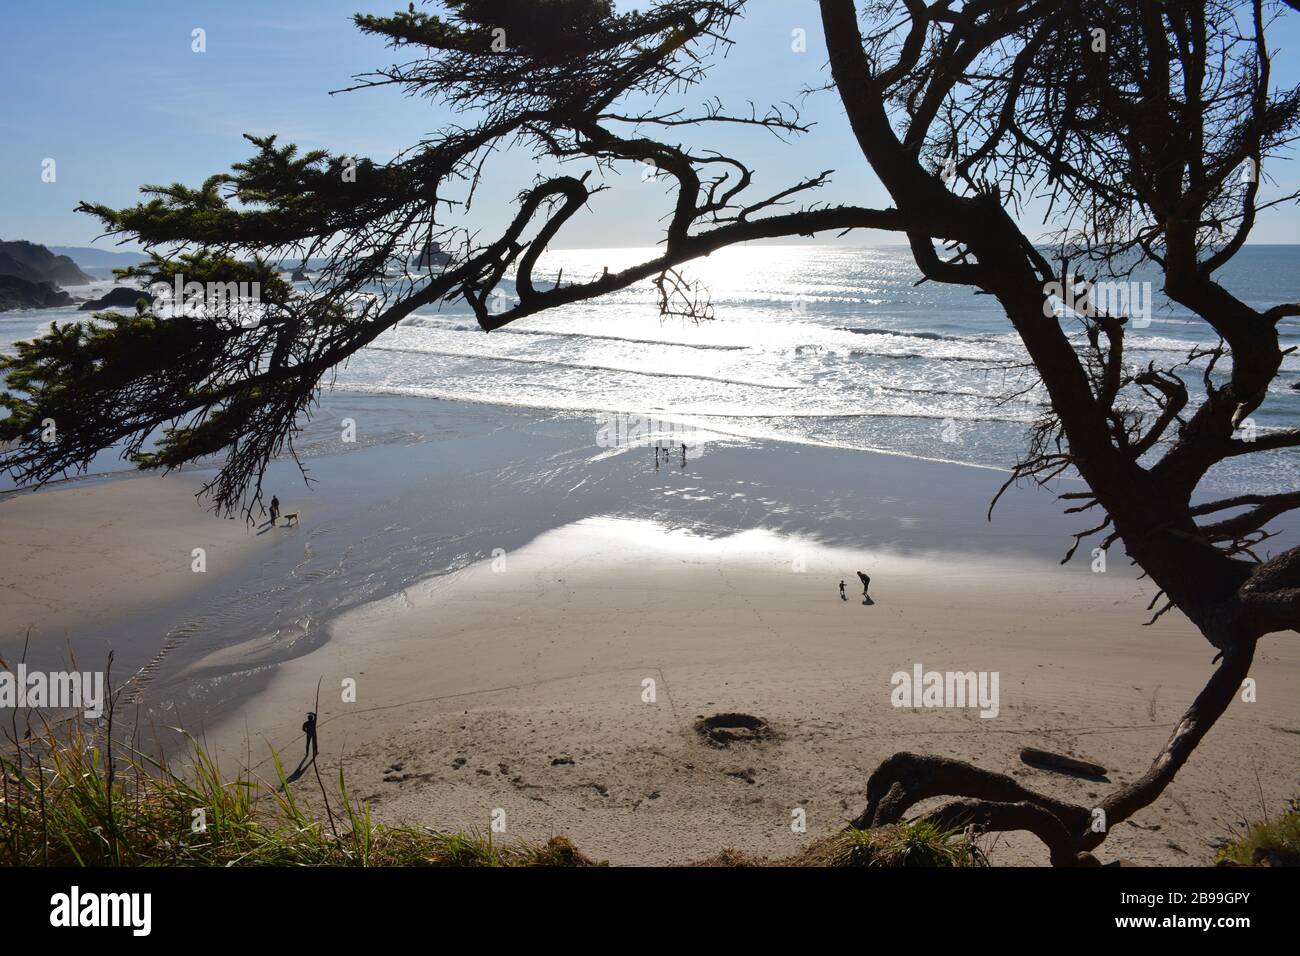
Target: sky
114	94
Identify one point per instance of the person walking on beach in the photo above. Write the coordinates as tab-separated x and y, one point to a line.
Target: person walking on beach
843	596
683	454
309	728
309	752
275	509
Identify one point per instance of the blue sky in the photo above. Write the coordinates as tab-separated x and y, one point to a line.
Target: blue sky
114	94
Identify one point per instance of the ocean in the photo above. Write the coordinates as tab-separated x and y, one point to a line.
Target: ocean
836	346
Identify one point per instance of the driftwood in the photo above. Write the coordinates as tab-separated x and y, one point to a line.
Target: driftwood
1052	761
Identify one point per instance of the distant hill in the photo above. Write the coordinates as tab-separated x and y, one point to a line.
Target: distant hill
90	258
34	263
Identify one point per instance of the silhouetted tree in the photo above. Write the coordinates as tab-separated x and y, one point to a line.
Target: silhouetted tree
1132	121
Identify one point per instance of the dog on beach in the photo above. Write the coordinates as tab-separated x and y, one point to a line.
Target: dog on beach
291	518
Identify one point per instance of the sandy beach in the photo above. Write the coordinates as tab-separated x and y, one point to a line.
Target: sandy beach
554	671
522	689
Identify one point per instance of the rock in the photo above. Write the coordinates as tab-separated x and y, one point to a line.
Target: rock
121	297
16	293
300	275
432	256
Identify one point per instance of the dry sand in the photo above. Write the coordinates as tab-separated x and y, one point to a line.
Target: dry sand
518	686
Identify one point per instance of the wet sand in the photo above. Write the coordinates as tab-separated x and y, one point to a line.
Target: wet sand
75	556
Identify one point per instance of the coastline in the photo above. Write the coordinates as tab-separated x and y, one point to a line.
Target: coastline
462	671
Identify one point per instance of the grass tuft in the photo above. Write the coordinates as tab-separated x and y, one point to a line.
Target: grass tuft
906	844
1269	843
70	800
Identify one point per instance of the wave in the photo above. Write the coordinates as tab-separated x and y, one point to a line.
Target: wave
587	405
1134	343
932	336
798	349
983	396
426	322
992	356
584	367
985	349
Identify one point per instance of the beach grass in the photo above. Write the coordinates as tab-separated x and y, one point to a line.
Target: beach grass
908	844
915	843
1268	843
71	799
